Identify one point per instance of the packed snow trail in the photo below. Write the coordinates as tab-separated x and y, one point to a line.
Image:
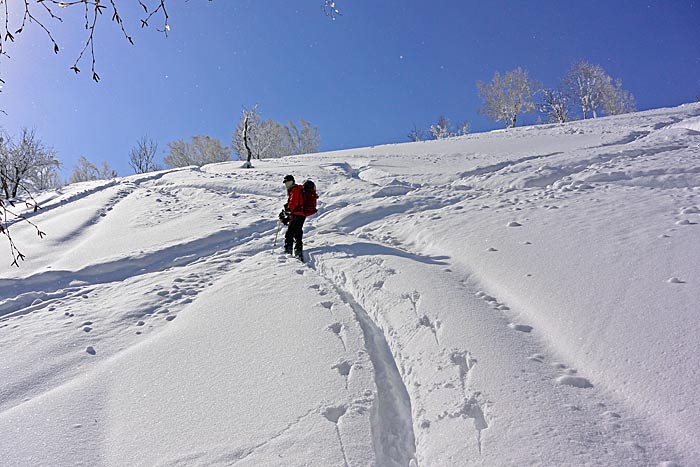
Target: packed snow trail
392	428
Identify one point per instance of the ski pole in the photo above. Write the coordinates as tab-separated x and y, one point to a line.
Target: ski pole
279	226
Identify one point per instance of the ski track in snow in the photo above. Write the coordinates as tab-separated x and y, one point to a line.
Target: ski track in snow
392	424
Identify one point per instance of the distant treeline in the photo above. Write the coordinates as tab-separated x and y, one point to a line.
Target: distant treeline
586	91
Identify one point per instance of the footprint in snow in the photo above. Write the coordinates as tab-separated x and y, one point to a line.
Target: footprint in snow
675	280
343	368
520	327
515	224
91	350
327	305
337	329
575	381
333	414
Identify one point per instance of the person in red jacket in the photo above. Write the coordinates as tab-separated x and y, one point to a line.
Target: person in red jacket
293	216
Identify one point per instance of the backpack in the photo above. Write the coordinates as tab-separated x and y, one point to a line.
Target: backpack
309	197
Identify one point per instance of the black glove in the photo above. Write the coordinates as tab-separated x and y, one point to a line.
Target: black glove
284	218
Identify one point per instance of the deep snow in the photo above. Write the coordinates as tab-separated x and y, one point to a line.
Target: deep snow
525	297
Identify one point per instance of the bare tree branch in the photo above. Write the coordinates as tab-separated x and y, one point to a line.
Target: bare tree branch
42	13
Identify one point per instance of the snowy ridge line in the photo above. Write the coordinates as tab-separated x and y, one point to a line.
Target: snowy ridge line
59	202
25	290
490	169
392	422
589	169
100	214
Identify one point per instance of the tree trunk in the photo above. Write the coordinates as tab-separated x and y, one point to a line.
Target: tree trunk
245	140
5	187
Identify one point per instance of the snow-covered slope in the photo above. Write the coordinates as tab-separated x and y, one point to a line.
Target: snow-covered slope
515	298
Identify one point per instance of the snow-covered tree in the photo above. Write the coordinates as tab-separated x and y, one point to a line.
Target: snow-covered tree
416	134
85	171
302	141
587	84
618	101
508	96
596	92
264	138
267	138
142	156
441	129
46	177
463	128
22	158
22	164
199	151
270	140
556	105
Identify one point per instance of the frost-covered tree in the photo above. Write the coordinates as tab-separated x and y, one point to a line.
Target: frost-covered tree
596	92
416	134
304	140
46	177
617	101
243	131
142	156
556	105
20	159
507	97
86	171
267	138
441	129
463	128
587	83
199	151
264	138
270	140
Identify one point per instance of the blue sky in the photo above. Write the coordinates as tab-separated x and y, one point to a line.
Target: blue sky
364	79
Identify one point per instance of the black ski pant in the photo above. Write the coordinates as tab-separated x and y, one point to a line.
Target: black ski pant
295	233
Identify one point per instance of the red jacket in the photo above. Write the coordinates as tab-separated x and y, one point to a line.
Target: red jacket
295	201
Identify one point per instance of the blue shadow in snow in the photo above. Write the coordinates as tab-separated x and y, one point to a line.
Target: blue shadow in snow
374	249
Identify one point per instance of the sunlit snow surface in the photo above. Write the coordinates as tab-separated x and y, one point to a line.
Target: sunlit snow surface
527	297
